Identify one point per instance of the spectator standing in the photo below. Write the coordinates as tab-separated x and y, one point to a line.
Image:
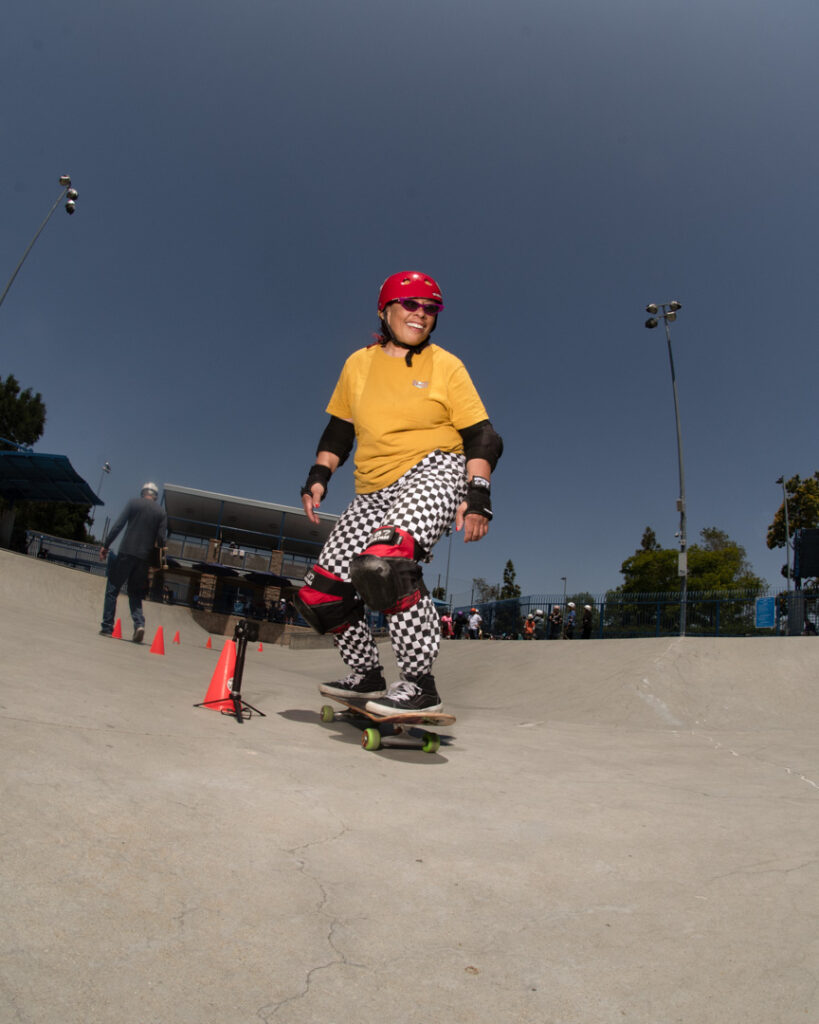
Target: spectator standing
458	624
555	622
540	625
571	619
475	623
587	622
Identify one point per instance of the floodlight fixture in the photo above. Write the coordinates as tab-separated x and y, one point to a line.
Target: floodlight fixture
652	308
652	322
68	193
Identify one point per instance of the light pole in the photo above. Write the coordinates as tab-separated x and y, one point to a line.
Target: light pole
781	480
68	193
564	590
106	468
668	315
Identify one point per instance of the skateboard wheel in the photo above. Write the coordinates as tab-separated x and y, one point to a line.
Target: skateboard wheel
371	739
431	742
327	713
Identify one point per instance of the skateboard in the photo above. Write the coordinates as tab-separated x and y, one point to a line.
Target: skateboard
402	726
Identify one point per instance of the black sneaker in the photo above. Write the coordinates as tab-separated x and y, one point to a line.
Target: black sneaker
139	633
106	632
408	695
357	684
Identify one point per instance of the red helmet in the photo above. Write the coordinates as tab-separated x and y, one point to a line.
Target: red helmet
411	284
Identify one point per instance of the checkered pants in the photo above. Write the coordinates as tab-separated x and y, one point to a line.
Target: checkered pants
422	502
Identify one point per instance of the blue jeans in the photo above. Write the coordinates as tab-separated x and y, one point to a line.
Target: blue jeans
122	569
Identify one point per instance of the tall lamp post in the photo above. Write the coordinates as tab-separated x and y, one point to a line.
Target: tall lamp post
669	315
68	193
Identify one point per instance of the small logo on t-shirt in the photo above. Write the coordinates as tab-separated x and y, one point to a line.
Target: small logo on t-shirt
420	383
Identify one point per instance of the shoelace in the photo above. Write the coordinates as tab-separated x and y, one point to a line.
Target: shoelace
404	690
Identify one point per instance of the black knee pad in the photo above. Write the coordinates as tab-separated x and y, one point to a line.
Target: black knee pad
328	603
386	573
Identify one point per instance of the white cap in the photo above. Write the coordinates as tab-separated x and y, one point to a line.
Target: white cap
587	607
571	604
150	486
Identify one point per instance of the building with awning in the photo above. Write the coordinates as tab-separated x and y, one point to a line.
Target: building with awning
232	557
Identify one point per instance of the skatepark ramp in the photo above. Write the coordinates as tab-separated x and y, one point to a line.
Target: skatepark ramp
614	830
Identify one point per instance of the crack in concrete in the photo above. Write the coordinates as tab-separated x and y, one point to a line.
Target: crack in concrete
271	1010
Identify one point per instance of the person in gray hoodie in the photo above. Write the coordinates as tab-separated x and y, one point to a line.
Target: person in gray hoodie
146	527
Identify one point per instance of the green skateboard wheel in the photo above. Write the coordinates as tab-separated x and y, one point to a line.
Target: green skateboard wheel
371	739
431	742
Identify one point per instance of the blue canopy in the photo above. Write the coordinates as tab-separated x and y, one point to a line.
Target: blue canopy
26	476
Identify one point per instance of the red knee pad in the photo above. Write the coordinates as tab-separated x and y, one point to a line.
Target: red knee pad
386	573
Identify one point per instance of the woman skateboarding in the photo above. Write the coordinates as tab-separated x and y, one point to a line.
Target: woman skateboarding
425	451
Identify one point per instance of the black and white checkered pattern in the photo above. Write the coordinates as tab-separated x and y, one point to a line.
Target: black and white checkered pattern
422	502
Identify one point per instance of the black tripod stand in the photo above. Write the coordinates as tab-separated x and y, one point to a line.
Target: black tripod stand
243	632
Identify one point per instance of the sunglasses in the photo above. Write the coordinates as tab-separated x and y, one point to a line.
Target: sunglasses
411	305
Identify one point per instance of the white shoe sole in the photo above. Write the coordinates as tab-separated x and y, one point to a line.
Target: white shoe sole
328	690
388	709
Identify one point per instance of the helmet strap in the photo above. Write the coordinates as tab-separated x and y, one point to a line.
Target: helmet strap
387	335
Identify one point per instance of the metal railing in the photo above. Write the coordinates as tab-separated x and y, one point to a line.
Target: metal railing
614	614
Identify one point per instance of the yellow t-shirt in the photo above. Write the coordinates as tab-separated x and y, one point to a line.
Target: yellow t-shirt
402	413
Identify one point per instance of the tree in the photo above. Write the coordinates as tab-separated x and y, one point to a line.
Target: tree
22	414
803	511
718	563
649	541
58	518
509	588
483	591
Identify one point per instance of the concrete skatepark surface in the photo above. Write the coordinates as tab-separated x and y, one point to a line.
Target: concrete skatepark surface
620	831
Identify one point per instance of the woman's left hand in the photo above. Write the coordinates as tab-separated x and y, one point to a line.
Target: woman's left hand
474	526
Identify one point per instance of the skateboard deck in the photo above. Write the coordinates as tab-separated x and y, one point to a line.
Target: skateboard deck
401	726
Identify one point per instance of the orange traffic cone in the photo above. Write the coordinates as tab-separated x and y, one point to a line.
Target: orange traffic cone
208	644
117	632
260	647
218	696
176	639
158	646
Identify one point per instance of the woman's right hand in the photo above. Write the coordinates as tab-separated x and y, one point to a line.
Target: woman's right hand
312	502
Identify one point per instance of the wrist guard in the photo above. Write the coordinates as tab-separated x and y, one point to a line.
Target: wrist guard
317	475
478	501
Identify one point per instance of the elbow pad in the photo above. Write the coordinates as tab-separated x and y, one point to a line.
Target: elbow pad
337	438
482	442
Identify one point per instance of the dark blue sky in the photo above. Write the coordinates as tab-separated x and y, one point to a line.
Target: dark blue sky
249	173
